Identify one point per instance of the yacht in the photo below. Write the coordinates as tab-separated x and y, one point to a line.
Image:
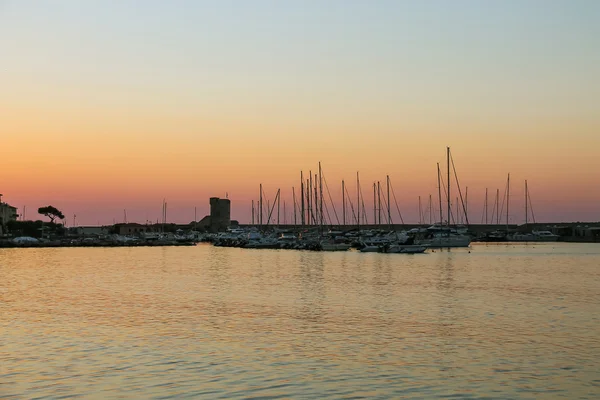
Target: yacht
443	236
534	236
442	240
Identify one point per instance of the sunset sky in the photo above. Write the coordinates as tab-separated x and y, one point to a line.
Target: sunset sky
113	105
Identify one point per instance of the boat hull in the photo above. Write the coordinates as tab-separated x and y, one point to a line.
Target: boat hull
446	241
525	238
406	249
334	246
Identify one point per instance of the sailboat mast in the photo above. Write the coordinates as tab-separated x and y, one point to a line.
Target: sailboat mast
448	181
466	203
252	212
440	193
302	215
278	204
379	201
507	199
526	194
374	204
310	199
497	206
357	202
420	212
387	178
430	210
321	196
343	204
457	213
316	200
294	200
260	208
307	202
486	206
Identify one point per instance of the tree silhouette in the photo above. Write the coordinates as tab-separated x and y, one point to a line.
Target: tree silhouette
51	212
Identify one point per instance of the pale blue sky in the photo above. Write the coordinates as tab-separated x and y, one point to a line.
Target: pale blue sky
401	50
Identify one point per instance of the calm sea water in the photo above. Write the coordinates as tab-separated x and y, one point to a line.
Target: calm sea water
500	321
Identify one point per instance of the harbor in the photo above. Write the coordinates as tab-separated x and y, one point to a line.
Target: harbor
370	238
319	223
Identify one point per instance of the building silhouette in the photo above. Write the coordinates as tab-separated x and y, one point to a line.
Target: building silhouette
7	213
220	214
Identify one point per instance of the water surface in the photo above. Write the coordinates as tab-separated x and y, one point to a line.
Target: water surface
498	321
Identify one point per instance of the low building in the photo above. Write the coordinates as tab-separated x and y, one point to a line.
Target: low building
134	228
587	233
90	231
7	213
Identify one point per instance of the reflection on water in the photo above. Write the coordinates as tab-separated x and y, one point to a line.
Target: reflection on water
503	321
311	289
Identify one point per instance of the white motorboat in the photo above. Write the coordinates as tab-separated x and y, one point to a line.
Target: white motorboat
534	236
442	240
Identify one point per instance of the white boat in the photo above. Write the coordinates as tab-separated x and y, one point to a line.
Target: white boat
534	236
25	240
441	241
442	235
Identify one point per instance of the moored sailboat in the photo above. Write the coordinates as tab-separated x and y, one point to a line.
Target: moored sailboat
439	236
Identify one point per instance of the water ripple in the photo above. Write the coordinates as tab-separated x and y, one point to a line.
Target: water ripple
500	322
